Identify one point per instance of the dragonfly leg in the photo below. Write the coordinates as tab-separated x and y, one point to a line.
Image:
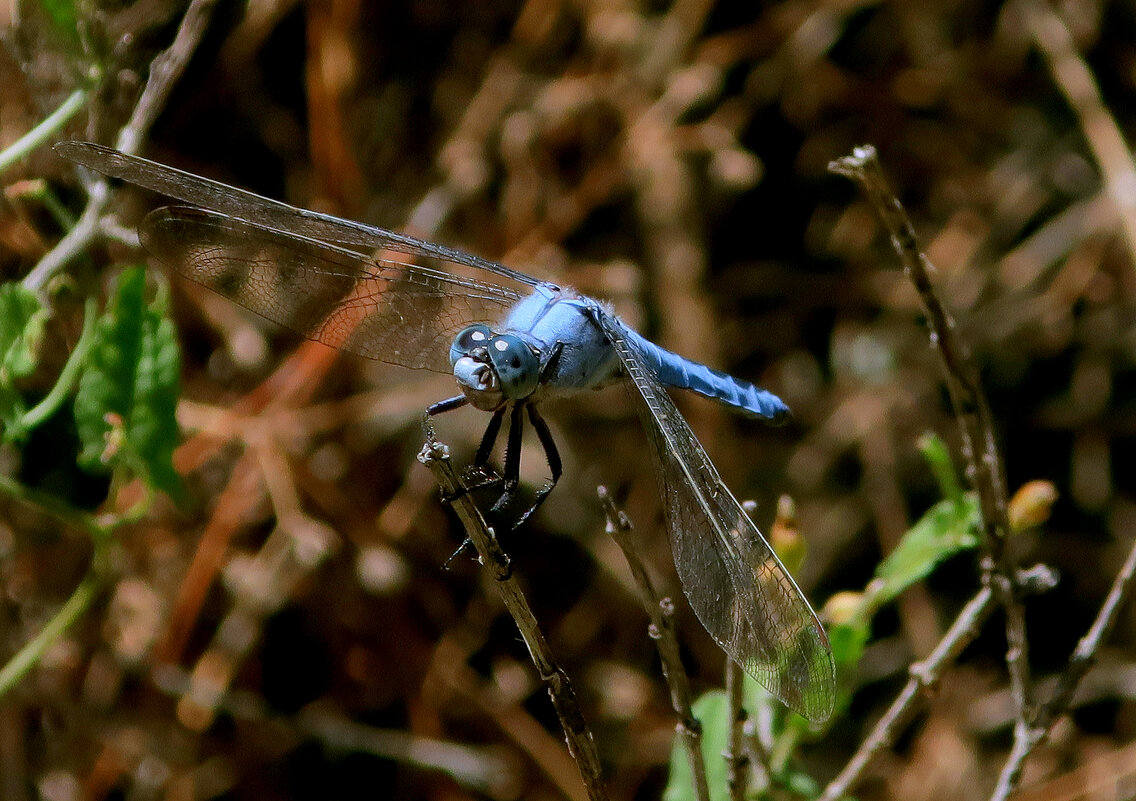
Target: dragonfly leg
483	453
511	475
551	455
480	473
447	405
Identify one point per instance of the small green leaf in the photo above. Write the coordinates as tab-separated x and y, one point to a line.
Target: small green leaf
948	528
60	15
850	628
12	410
124	409
935	451
713	711
22	319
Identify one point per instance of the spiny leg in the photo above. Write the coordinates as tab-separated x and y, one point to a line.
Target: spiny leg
512	472
447	405
551	456
480	473
511	476
457	402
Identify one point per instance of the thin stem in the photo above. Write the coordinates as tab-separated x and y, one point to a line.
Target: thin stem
922	675
38	190
985	467
1083	658
970	406
53	506
660	611
74	243
67	377
164	72
736	759
581	743
46	130
29	656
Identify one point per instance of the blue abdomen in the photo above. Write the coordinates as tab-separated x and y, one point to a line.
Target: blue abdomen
675	371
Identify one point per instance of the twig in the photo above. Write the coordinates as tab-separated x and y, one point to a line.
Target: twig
81	598
45	130
164	73
976	427
1083	658
922	675
1075	80
660	611
971	408
451	669
165	70
736	759
33	650
581	744
484	769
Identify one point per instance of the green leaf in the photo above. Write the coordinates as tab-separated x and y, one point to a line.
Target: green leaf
62	15
948	528
935	451
22	318
55	21
848	641
124	409
713	711
12	410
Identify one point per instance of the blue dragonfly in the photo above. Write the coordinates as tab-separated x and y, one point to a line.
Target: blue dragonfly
510	341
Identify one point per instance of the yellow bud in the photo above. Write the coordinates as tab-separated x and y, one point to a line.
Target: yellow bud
844	607
785	538
1031	504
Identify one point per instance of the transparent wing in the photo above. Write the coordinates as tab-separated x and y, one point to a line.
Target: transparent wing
737	587
265	212
403	314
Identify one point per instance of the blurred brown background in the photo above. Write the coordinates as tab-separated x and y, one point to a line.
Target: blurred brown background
668	157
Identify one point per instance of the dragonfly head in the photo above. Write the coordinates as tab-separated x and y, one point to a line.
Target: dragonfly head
493	368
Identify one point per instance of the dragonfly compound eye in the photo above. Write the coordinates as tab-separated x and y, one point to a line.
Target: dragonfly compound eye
468	340
517	367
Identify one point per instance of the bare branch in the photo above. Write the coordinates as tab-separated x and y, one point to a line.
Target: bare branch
1105	139
581	744
164	73
922	675
976	427
1083	658
736	758
660	611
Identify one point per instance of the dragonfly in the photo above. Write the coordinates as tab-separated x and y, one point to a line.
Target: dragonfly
510	341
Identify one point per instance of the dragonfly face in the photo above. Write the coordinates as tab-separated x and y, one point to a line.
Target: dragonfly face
492	369
319	275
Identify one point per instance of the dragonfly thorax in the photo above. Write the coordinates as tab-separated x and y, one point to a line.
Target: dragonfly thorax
493	368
